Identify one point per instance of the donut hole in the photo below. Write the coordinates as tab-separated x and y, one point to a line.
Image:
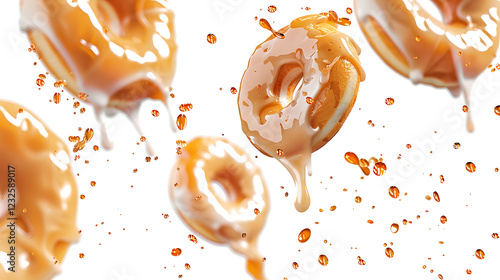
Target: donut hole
288	83
135	92
432	8
226	187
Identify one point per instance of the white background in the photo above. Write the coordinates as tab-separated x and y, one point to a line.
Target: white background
427	118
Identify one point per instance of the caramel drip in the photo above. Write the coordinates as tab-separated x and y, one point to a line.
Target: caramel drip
266	25
313	60
119	52
45	195
449	53
230	219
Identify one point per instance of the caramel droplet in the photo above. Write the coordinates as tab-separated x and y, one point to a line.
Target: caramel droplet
394	228
465	109
92	183
417	38
271	9
348	10
497	110
394	192
468	271
89	133
408	146
379	169
389	101
309	100
187	266
42	76
323	260
361	261
211	38
266	25
81	255
443	219
441	179
351	158
185	107
456	146
176	252
333	208
436	197
40	82
389	252
363	163
82	196
279	152
256	211
155	113
295	265
479	254
304	235
358	199
193	238
234	90
471	167
495	235
181	121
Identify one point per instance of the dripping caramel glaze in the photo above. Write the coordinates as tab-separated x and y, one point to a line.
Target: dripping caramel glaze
45	193
449	53
205	163
119	52
313	60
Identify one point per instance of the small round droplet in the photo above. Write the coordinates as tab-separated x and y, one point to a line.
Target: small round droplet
155	113
309	100
468	271
295	265
143	139
456	146
304	235
495	235
279	152
256	211
233	90
181	121
497	110
358	199
471	167
479	254
211	38
389	252
465	108
394	228
349	11
443	219
176	252
379	169
394	192
408	146
82	196
244	235
333	208
92	183
389	101
40	82
187	266
323	260
417	39
81	255
271	9
351	158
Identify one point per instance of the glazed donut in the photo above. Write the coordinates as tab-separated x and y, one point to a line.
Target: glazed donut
204	163
420	47
297	92
37	178
118	52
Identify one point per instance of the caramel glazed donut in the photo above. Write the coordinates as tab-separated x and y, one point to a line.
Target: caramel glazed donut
297	92
235	218
38	185
119	52
418	46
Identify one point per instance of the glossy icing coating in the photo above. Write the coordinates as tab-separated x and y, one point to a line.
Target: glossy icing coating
206	163
297	92
45	195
